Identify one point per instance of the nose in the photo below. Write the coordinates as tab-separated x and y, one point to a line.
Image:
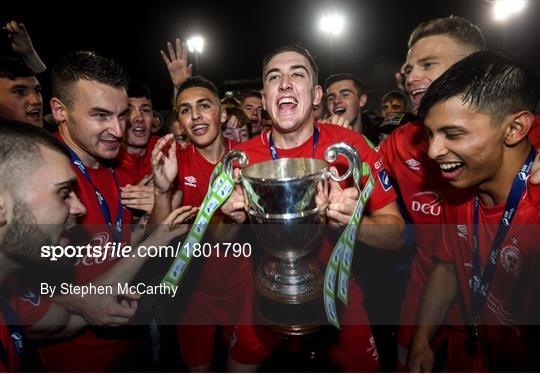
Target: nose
437	147
118	125
195	114
412	76
76	208
285	83
35	98
136	116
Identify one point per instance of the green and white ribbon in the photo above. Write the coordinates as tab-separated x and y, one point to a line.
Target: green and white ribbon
339	266
217	194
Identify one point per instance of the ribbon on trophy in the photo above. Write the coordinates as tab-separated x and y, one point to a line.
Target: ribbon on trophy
339	266
221	187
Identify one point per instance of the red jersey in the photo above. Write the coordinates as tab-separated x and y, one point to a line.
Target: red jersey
9	358
137	166
512	300
193	180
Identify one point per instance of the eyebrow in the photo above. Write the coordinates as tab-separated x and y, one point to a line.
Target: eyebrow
450	127
199	101
72	182
294	67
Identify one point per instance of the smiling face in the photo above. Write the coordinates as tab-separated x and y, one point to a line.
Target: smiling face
466	144
94	123
344	100
200	115
427	60
139	122
253	107
38	216
289	92
21	100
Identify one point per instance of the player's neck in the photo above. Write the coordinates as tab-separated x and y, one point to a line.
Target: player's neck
293	139
495	191
136	150
215	151
85	157
357	124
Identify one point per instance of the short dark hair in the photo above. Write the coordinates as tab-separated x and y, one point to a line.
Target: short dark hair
256	94
13	68
394	95
138	89
455	27
85	65
490	82
20	149
198	81
298	48
358	83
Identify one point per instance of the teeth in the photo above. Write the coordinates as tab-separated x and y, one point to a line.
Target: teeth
138	129
418	91
287	100
340	110
199	127
450	167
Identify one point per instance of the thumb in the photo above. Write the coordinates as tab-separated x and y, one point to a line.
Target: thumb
334	186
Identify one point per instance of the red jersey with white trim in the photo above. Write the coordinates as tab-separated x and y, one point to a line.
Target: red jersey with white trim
137	166
512	301
193	180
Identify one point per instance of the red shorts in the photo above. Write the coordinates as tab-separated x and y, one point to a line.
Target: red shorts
197	326
352	350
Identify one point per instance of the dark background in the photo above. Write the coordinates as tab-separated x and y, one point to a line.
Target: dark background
238	34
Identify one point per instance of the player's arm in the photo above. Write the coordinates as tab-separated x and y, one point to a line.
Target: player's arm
382	228
441	290
56	323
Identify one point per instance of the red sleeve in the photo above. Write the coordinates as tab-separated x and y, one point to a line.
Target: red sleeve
30	307
384	193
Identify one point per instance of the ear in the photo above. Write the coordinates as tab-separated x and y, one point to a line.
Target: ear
318	95
518	127
263	99
362	100
59	110
222	116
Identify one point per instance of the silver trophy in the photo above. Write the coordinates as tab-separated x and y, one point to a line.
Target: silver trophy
281	204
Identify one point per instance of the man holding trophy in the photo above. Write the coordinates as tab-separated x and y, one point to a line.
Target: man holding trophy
287	181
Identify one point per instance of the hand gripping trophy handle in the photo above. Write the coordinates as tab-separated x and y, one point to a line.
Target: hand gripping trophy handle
227	164
355	162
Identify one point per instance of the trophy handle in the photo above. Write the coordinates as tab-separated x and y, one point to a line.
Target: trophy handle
227	163
355	162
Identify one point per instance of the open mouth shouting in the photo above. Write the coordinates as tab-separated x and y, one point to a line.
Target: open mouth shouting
287	103
35	115
200	129
139	131
417	94
340	110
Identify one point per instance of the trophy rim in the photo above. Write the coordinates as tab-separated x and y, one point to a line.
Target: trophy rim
324	167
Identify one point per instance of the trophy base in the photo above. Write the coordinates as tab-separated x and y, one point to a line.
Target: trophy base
289	296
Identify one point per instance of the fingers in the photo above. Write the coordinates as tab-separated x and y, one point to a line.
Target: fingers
180	215
172	54
172	151
157	152
181	50
145	180
166	59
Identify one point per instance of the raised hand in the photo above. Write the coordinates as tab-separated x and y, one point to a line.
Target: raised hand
177	62
336	120
164	166
22	45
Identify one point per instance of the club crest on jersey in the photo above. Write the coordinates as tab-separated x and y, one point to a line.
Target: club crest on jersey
31	297
385	180
511	260
190	181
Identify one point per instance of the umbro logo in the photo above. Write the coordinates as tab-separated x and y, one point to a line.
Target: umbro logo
190	181
413	164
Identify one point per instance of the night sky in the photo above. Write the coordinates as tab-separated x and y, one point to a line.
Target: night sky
238	34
